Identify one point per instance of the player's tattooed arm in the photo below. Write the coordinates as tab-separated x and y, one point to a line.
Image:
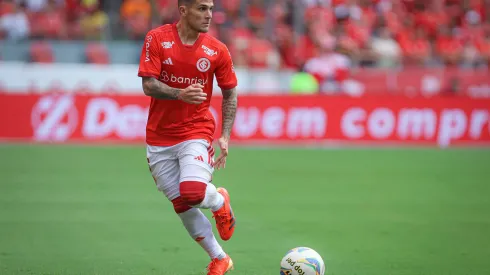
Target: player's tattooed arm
154	88
192	94
229	105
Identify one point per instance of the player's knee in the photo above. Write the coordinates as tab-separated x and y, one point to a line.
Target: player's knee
192	192
180	206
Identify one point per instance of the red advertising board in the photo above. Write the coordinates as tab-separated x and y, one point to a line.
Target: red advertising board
279	119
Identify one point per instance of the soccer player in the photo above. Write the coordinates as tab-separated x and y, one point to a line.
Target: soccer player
177	66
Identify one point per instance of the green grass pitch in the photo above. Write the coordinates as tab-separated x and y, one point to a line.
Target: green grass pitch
95	210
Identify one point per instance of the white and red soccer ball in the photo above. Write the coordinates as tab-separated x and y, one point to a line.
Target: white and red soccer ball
302	261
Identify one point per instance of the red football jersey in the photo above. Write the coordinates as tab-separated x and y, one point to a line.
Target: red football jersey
167	59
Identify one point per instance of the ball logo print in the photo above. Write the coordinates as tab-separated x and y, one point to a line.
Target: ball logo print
203	64
54	118
302	261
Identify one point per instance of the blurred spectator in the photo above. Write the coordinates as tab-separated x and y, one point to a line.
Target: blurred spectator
448	47
39	5
136	16
93	20
483	47
256	13
261	53
131	8
240	44
331	67
73	10
429	15
167	10
470	57
6	7
14	24
386	49
35	5
48	22
416	47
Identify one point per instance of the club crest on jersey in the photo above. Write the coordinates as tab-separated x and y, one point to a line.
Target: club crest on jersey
203	64
209	51
167	44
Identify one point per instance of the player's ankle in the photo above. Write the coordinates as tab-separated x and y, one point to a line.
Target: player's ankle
220	201
221	256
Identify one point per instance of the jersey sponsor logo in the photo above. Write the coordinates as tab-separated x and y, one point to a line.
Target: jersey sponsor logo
203	64
168	61
209	51
182	80
149	38
167	44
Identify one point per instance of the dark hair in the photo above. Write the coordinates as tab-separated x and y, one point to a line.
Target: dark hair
185	2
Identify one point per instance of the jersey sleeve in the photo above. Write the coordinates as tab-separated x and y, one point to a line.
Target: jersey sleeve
225	72
150	65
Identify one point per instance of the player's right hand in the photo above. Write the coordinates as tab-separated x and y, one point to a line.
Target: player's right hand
193	94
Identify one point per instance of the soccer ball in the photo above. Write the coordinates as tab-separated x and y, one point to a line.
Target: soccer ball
302	261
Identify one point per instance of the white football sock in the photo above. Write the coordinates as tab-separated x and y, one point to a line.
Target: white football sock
212	200
200	229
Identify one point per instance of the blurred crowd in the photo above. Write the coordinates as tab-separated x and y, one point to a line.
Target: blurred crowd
296	34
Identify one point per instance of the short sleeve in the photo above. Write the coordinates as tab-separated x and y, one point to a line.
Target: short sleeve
150	65
225	72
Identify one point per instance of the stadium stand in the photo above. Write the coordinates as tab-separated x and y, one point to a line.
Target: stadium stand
373	33
330	39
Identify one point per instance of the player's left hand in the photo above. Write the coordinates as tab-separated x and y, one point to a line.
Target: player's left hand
221	160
